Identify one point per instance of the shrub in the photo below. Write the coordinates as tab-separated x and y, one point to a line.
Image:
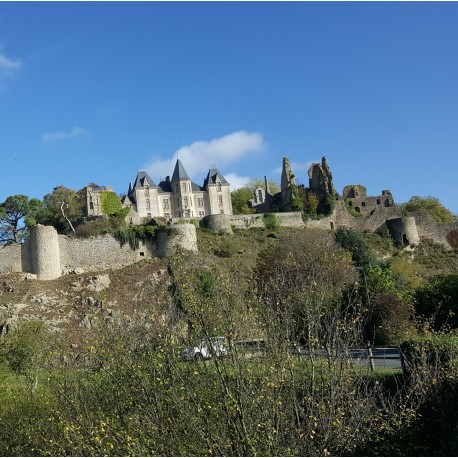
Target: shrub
226	248
271	220
352	241
326	205
439	300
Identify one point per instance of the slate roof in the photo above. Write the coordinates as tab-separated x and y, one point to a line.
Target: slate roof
179	173
143	179
164	186
214	177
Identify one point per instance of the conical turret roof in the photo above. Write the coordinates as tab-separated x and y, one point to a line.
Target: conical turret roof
179	174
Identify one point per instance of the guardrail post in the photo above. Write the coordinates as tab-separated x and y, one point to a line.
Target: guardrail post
370	356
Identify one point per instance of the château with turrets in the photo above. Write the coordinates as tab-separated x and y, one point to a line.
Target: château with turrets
47	255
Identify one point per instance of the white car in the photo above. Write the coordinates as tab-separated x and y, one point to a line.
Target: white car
206	349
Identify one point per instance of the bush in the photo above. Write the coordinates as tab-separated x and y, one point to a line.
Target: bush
134	234
438	300
352	241
226	248
271	220
326	205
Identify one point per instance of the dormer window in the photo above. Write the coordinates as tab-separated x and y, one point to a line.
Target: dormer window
218	187
146	190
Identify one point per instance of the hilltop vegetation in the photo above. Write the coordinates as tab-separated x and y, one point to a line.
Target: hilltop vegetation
112	381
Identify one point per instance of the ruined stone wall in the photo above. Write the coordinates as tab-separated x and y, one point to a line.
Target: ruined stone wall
291	219
247	221
98	253
10	259
45	252
175	238
404	230
216	223
428	228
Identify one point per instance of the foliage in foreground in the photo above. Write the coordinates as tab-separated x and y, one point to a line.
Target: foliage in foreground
131	394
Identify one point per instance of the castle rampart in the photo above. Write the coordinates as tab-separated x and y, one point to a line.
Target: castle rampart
98	253
177	237
216	223
404	230
48	255
45	252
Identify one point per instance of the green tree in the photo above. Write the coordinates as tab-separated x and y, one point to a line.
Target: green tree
438	300
431	205
17	214
62	208
310	201
352	241
111	205
240	198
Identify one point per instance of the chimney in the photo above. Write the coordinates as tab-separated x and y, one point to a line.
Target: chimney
266	185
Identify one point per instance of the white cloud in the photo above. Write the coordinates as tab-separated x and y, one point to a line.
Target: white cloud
8	68
236	181
57	136
200	156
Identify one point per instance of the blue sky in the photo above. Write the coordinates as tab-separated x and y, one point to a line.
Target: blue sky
94	92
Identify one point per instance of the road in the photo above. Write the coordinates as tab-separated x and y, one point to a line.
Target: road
383	357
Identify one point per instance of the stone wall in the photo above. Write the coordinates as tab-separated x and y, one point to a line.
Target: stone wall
428	228
48	255
404	230
289	219
216	223
99	253
45	252
175	238
10	259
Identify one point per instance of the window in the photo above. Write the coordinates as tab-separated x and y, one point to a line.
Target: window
177	188
222	211
200	202
220	201
218	187
146	190
363	204
165	203
185	201
201	214
259	195
183	186
148	204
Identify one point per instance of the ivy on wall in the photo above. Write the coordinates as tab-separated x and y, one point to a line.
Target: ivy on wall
111	205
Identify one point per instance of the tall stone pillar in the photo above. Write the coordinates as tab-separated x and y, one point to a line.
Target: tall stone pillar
45	252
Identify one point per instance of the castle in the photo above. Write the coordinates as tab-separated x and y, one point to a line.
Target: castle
353	209
47	255
178	197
